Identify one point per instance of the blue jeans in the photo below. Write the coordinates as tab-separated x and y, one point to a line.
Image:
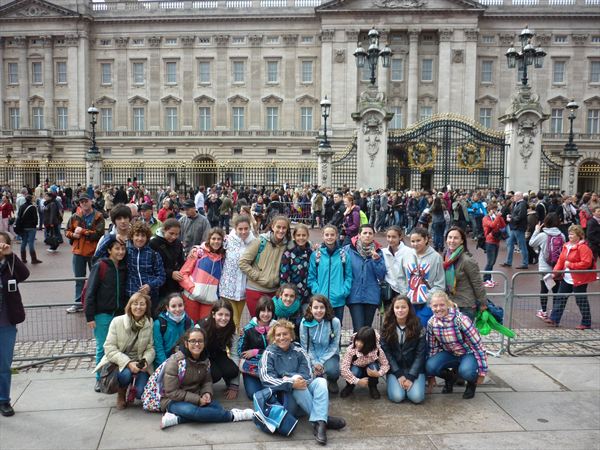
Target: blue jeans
8	337
314	400
560	301
466	365
517	236
437	229
339	313
28	239
491	252
331	368
397	393
100	333
362	315
361	372
251	385
125	377
211	413
80	263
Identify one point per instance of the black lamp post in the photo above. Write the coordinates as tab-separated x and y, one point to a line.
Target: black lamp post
529	55
570	147
325	107
93	112
372	55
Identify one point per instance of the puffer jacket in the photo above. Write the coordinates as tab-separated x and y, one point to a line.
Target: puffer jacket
539	241
201	274
232	285
407	359
196	381
165	343
119	336
320	340
353	357
330	274
263	270
366	275
171	254
277	366
580	257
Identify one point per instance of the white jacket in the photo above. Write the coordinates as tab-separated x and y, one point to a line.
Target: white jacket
232	285
393	266
538	241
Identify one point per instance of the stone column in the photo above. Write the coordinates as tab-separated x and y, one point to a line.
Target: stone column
93	169
372	122
569	174
21	43
523	128
2	84
413	76
470	77
49	83
324	157
326	62
83	85
444	71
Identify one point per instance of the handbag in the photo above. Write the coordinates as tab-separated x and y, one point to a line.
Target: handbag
109	382
386	291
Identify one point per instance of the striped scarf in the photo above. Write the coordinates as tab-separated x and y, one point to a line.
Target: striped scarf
450	260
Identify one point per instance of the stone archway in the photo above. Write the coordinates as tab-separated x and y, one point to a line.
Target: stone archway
204	171
588	175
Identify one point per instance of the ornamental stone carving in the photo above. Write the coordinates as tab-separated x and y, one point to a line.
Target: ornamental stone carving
327	35
526	139
33	11
187	41
290	39
579	39
507	38
471	35
19	41
413	35
446	35
255	39
458	56
122	41
154	41
340	55
372	135
543	38
352	35
398	4
222	39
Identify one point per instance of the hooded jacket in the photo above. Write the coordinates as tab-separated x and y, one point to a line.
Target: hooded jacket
320	340
330	274
172	258
393	265
580	257
196	381
106	295
263	269
201	274
165	343
366	275
232	285
353	357
432	271
539	241
278	366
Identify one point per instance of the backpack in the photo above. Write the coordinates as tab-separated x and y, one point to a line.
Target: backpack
554	245
363	218
162	322
154	389
342	257
102	268
261	247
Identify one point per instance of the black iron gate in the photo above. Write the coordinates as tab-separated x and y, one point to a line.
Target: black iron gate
550	172
446	150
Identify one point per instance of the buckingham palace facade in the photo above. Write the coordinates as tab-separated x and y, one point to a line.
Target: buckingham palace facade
239	82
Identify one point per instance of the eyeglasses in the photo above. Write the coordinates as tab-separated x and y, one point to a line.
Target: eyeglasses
195	341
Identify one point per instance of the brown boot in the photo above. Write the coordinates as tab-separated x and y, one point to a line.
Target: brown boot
121	401
24	256
34	259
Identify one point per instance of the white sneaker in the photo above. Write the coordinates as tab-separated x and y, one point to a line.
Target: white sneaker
242	414
168	420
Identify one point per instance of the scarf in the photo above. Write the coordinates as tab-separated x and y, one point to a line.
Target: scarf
366	251
137	325
450	268
175	318
285	311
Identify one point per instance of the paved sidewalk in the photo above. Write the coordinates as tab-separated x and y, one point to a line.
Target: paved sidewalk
527	403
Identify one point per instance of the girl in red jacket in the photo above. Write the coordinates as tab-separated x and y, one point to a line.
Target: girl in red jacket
575	255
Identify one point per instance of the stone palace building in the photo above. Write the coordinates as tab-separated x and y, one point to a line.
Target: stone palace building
192	91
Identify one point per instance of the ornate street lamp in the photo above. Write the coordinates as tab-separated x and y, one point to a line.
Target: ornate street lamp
570	147
528	56
372	55
93	112
325	107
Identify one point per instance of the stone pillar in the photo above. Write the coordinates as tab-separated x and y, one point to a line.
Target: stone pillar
324	157
21	43
93	169
523	128
413	76
470	77
445	72
49	83
372	122
83	91
569	174
3	84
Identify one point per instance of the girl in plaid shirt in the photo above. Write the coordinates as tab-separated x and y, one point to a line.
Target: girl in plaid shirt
455	347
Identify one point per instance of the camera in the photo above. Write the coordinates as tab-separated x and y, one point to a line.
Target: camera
141	364
12	285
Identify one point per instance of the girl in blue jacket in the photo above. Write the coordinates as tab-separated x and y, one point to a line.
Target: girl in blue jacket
320	339
171	324
368	269
330	273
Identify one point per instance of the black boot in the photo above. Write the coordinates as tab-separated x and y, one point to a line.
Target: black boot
320	432
373	392
470	390
24	256
34	259
449	377
335	423
347	391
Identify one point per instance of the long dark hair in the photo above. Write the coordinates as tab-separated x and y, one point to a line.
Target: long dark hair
184	338
463	235
368	337
413	324
221	335
329	315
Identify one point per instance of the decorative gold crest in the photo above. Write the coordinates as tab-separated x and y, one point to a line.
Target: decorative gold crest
471	157
422	156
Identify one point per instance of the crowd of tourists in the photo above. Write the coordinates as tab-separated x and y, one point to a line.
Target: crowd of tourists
171	279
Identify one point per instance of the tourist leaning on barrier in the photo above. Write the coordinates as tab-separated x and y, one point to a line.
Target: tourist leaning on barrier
455	347
547	239
105	296
12	272
575	255
129	345
188	390
404	344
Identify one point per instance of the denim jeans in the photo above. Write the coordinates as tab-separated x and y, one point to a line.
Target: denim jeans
560	301
466	365
211	413
339	313
224	223
8	337
397	393
332	368
361	372
125	377
80	263
437	229
251	385
491	251
543	291
28	239
100	332
517	236
362	315
314	400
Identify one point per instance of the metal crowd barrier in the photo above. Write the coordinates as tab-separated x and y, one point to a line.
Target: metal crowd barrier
533	332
